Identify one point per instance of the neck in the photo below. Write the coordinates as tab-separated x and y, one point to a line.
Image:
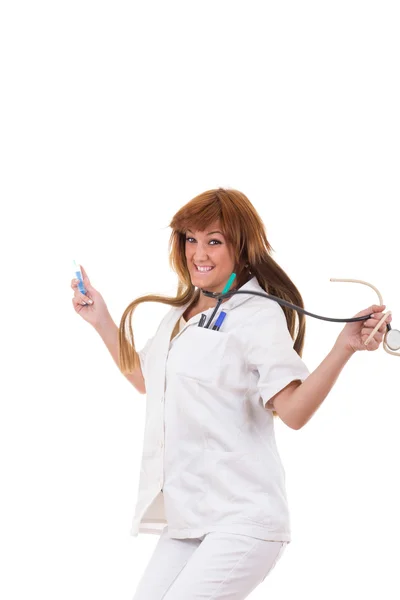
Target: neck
205	302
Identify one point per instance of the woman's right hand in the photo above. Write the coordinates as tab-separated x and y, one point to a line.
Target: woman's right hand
94	313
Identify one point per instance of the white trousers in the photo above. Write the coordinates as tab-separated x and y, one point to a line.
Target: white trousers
217	566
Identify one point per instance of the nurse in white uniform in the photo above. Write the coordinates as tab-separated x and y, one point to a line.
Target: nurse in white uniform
212	484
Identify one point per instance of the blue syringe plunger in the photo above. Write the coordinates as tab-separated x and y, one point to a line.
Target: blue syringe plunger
78	275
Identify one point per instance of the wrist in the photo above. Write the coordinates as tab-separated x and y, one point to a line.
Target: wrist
344	350
104	325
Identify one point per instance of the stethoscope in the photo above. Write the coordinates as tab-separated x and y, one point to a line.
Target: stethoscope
391	340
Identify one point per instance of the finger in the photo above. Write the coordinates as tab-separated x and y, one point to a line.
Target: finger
370	324
376	318
84	299
77	304
378	315
377	339
84	274
374	343
378	307
375	308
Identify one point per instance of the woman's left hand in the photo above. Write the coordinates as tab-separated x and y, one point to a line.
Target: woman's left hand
354	334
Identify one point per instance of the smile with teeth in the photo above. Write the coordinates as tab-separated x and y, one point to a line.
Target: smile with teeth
203	269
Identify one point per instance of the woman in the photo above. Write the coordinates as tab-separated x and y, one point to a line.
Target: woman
212	484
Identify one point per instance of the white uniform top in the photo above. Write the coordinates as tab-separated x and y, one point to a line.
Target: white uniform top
210	460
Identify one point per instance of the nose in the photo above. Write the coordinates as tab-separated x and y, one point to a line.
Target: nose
200	254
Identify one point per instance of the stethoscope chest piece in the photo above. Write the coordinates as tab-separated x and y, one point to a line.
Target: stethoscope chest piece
392	339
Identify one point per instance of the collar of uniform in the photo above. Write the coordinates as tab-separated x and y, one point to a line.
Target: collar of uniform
233	301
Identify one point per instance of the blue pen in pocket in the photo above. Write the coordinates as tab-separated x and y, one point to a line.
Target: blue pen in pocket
78	275
219	320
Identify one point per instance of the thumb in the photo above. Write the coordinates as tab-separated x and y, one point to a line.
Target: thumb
372	309
378	307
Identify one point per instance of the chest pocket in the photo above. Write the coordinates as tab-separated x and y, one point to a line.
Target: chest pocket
198	353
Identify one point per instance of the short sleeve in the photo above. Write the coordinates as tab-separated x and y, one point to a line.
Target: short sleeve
143	353
271	354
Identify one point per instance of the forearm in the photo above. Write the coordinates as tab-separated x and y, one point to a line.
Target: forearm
308	396
108	332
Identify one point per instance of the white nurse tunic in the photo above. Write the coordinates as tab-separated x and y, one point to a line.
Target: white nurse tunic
210	460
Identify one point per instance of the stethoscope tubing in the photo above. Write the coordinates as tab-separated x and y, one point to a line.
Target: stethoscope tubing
285	303
391	340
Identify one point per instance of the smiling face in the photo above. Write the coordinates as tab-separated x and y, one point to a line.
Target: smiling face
209	249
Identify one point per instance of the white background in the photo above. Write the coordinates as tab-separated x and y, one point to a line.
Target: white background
114	115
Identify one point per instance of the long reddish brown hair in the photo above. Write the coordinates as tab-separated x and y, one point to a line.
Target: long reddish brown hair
244	230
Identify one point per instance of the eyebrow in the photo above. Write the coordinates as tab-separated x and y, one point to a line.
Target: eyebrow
209	233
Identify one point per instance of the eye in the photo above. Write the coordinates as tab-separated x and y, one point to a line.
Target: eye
213	240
